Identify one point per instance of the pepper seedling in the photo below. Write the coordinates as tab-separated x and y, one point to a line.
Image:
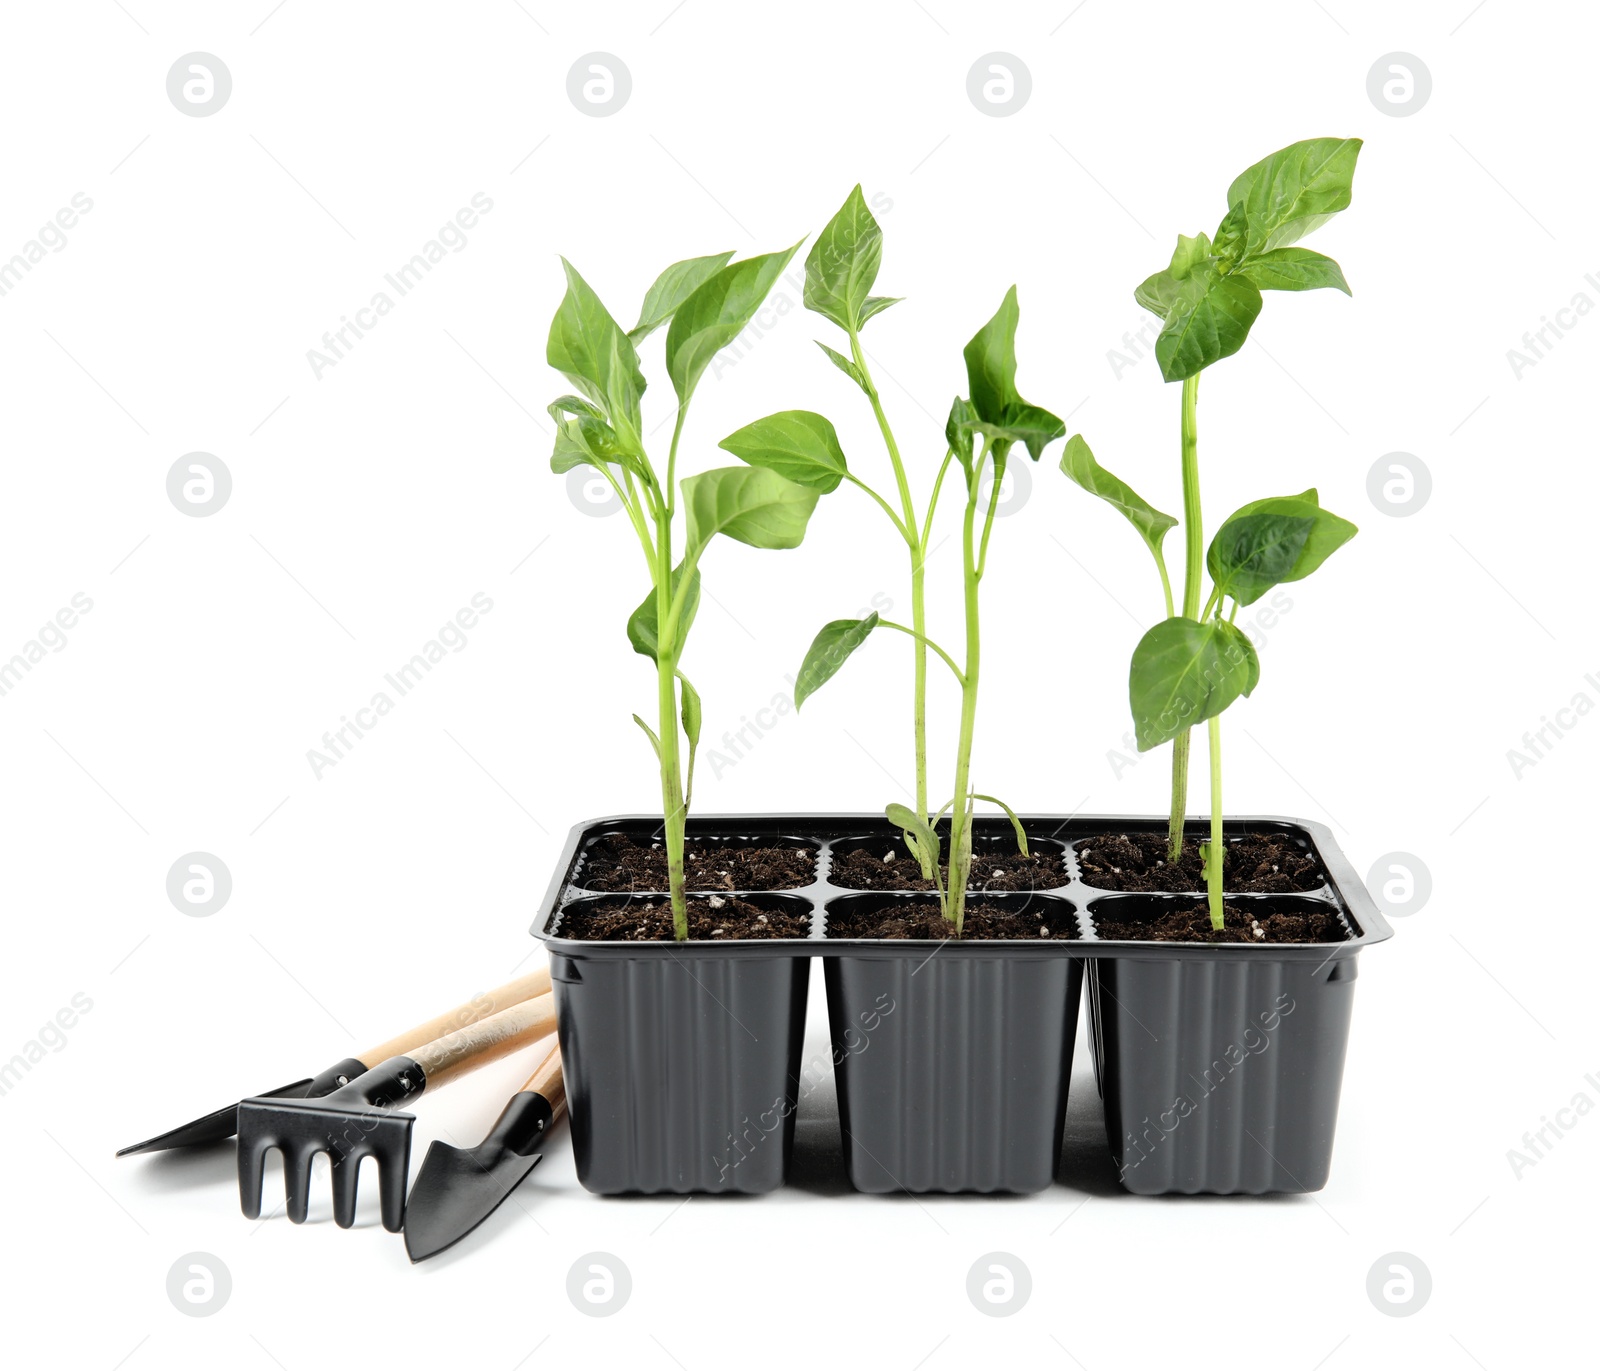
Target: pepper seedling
705	303
841	270
1191	666
803	446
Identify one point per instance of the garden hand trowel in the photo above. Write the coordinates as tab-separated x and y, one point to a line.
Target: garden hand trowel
458	1188
358	1120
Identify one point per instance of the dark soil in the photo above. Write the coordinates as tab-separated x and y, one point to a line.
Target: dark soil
866	869
922	919
616	863
1191	923
1256	864
648	921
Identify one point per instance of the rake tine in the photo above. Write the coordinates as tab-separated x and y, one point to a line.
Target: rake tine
346	1176
252	1173
297	1181
392	1190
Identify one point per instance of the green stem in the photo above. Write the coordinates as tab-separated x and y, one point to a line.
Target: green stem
670	500
1180	795
919	694
961	814
672	802
1193	564
883	504
919	687
933	500
926	642
988	521
1166	582
630	502
1214	852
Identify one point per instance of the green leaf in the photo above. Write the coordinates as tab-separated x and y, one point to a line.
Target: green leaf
1252	553
1158	293
1293	191
570	451
1016	823
1183	673
649	733
876	304
959	430
991	359
675	285
589	348
1079	463
845	365
691	731
828	652
1228	241
1033	427
642	623
1210	321
691	715
843	264
1328	531
1189	254
795	443
584	438
574	406
996	409
716	313
749	504
904	817
921	837
583	442
1294	269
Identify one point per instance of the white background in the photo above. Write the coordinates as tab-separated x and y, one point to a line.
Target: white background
372	503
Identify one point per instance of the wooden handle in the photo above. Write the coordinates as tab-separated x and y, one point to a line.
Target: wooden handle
546	1080
478	1008
488	1040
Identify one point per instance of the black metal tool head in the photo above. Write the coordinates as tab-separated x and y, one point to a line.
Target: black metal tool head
352	1123
222	1124
458	1188
217	1126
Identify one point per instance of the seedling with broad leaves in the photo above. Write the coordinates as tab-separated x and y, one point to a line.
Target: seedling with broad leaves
980	434
705	302
1195	663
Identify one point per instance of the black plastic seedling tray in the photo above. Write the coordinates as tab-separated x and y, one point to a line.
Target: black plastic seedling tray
952	1057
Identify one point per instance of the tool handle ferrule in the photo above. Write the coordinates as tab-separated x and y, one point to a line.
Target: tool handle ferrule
336	1077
